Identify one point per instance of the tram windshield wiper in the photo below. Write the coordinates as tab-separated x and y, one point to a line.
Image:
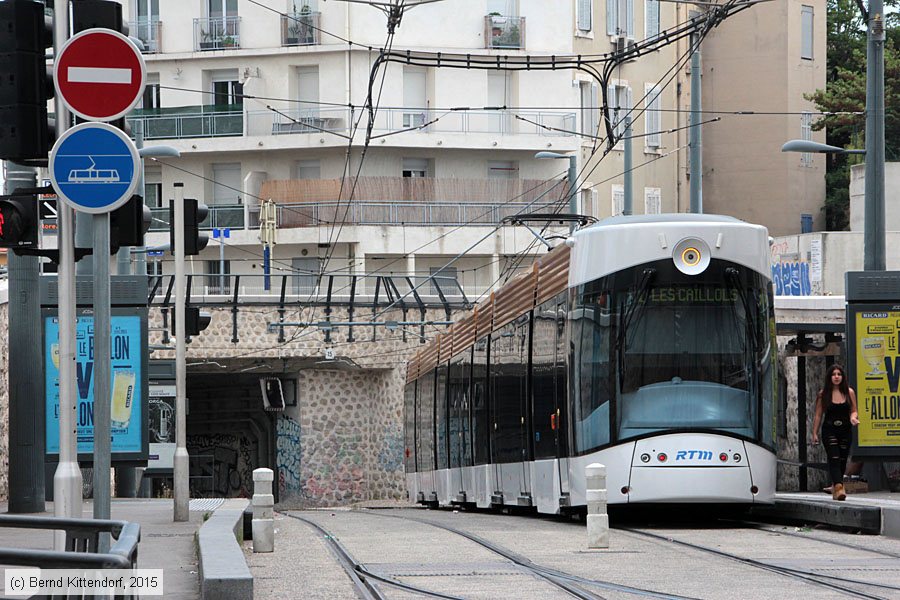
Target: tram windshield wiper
627	316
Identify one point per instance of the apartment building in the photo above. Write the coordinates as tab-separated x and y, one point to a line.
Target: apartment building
267	101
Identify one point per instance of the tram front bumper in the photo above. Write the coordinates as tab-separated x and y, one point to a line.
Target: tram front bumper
690	484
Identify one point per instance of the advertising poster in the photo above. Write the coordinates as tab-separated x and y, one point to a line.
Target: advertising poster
125	384
878	378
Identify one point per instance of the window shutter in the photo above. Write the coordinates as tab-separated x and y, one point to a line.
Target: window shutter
611	16
629	16
594	113
618	200
651	18
612	103
654	118
584	15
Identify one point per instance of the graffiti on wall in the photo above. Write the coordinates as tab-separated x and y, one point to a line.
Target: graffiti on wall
791	278
288	455
220	466
390	454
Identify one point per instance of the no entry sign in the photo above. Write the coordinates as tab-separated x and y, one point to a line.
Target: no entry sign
99	74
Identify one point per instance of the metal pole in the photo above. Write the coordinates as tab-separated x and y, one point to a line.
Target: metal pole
26	406
182	492
67	482
102	373
222	261
140	259
628	208
696	142
873	237
573	192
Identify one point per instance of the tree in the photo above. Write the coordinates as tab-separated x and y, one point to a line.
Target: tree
844	100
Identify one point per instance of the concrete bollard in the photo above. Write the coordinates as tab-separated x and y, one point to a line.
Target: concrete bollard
263	511
597	519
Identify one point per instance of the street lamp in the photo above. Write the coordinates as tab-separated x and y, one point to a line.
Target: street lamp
873	232
573	179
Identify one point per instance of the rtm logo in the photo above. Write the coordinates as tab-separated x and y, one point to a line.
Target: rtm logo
692	454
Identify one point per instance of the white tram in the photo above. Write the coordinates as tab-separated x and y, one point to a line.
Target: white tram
645	343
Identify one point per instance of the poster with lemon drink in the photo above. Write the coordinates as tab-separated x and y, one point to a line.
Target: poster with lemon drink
878	377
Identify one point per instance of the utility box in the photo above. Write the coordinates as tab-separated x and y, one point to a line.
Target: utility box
873	350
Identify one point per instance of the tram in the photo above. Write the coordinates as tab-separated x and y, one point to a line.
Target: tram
644	343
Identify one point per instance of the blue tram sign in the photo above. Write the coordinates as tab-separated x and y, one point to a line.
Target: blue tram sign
94	167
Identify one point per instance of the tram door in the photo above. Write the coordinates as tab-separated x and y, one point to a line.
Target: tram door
561	395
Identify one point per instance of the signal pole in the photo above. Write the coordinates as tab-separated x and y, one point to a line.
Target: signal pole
181	461
67	482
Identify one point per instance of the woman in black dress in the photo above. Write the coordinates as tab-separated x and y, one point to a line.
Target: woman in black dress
836	413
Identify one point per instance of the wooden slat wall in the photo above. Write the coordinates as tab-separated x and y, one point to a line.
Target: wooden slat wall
445	347
515	298
463	334
484	318
412	368
429	358
553	273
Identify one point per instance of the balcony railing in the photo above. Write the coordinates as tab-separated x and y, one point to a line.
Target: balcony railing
300	29
189	121
220	215
149	31
504	32
217	33
281	122
476	121
307	214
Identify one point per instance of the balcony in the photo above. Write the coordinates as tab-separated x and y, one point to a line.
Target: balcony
181	122
217	33
149	31
406	201
504	32
542	123
292	120
300	29
220	215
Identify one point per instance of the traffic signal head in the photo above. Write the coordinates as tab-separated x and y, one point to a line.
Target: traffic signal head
195	212
129	223
91	14
18	221
24	86
195	321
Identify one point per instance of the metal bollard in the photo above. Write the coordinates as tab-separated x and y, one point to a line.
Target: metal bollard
597	519
263	516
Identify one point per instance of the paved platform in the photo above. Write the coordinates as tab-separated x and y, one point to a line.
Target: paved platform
164	544
872	512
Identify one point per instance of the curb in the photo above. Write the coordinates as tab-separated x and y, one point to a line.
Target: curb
223	568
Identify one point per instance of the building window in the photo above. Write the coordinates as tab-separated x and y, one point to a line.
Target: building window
222	8
218	277
651	18
619	104
618	200
499	93
415	167
227	91
620	18
226	183
307	169
305	279
653	117
445	277
151	97
415	93
589	103
806	158
589	202
153	187
502	169
585	18
652	201
308	91
806	32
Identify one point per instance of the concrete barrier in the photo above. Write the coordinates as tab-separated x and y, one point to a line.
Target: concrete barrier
223	569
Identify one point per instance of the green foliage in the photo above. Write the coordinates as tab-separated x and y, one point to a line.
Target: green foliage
844	98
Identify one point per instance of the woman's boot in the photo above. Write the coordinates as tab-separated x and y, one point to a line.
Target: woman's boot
838	492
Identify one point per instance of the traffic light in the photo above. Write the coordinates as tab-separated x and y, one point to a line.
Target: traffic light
129	223
195	321
194	213
19	221
25	33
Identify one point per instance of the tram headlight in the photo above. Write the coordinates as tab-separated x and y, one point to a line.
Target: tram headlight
691	256
645	457
737	458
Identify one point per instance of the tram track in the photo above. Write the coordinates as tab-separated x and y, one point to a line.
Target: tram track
772	529
555	576
832	582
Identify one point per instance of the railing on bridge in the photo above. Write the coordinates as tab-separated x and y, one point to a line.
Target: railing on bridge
220	215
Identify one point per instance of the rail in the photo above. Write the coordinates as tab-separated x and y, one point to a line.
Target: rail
219	120
506	122
300	29
149	31
217	33
223	215
504	32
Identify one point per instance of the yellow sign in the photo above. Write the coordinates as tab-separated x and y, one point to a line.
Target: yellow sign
878	378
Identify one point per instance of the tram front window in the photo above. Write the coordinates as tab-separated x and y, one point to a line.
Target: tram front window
674	352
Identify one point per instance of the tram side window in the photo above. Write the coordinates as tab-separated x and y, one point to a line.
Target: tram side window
507	382
480	413
440	415
409	426
590	320
561	370
425	422
768	379
459	391
543	367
